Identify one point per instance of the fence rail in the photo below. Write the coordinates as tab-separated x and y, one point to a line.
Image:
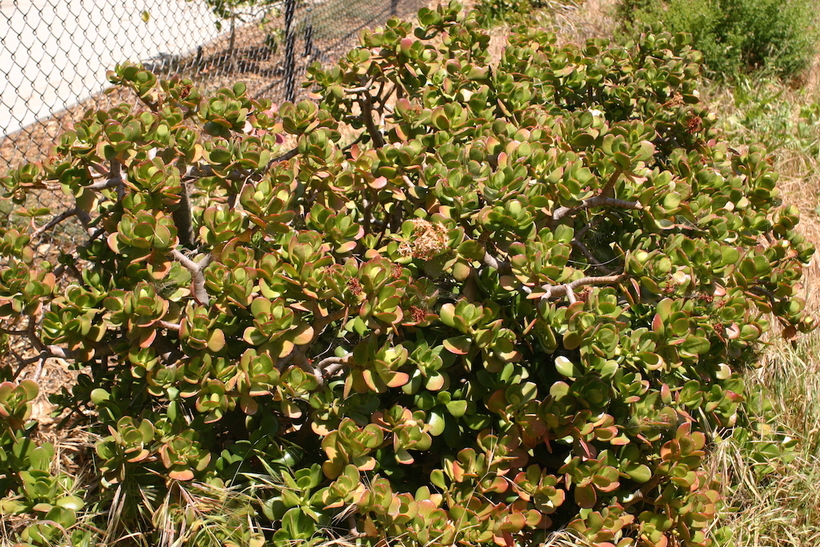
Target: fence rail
54	54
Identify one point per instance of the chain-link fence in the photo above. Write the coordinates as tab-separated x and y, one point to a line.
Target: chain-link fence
54	54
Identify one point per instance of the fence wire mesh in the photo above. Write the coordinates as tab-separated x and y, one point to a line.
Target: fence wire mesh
54	54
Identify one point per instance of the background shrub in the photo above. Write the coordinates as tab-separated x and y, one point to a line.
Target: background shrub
510	300
735	36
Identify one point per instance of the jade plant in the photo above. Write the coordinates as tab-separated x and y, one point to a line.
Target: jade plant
448	302
26	472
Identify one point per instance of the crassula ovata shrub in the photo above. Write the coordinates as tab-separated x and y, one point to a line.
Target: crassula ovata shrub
511	299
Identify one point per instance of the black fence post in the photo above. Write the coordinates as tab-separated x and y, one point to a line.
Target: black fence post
308	40
290	53
394	5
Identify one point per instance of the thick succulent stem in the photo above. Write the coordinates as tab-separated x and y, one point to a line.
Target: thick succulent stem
558	291
183	219
197	274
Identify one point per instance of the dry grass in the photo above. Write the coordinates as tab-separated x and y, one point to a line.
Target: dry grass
782	507
576	23
573	21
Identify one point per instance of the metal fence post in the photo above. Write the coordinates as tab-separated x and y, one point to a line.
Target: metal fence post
394	5
290	52
308	40
308	32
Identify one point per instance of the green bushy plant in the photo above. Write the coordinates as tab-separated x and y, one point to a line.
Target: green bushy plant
28	485
735	36
512	300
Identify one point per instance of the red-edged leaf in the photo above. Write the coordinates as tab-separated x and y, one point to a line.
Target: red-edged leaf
182	475
585	496
398	379
147	338
217	341
379	183
304	334
460	345
404	457
248	405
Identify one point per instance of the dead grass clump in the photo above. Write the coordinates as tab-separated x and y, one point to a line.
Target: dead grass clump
578	22
776	502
